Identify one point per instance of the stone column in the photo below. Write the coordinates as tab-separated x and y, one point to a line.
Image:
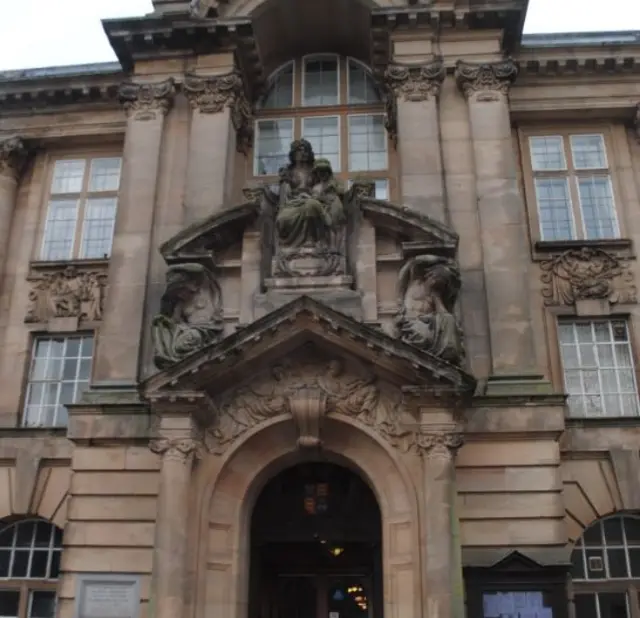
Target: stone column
12	158
118	352
438	447
503	226
416	89
169	578
222	123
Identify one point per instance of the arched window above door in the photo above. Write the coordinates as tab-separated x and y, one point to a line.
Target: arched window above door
606	569
29	568
334	103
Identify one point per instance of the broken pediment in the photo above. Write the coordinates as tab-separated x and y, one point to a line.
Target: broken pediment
308	362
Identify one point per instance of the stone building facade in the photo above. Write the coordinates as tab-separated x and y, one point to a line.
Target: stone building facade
322	309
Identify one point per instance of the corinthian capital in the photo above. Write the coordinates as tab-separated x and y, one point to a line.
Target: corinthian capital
415	82
13	154
210	95
486	80
145	101
439	444
177	449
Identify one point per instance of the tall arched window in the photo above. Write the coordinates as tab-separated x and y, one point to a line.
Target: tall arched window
606	569
334	103
29	567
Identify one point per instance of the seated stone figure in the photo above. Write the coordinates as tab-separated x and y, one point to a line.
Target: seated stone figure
429	286
310	206
190	314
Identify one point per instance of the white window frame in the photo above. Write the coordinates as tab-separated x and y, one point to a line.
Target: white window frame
81	198
386	142
256	141
26	420
319	155
580	369
311	57
571	173
367	71
274	76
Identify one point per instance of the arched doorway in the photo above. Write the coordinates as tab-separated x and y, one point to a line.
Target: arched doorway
315	548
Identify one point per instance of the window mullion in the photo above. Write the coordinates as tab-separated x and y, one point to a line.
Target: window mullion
24	600
82	205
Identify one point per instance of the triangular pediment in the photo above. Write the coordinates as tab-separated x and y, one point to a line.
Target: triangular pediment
293	327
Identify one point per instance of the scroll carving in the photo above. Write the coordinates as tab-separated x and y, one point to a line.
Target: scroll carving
415	82
13	155
307	392
587	274
428	287
176	449
190	314
67	293
210	95
145	101
486	81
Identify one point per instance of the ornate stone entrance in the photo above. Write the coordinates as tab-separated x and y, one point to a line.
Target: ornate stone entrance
228	578
316	545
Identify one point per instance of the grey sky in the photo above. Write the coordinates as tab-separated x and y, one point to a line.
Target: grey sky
37	33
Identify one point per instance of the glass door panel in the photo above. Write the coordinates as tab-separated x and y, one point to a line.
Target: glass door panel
296	597
348	596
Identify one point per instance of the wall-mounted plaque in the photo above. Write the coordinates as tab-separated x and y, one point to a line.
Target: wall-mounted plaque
515	605
108	596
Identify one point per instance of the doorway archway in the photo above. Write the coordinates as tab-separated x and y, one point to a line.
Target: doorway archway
316	546
230	487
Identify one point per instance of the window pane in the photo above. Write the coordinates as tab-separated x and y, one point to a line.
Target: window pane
67	176
324	134
599	378
9	603
280	92
59	374
554	208
105	174
42	604
585	606
577	562
632	530
362	88
97	229
59	230
547	153
612	605
617	560
596	202
367	143
588	152
273	140
320	82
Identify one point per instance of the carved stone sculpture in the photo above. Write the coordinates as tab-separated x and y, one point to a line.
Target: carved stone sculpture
311	218
190	314
67	293
428	287
587	274
307	392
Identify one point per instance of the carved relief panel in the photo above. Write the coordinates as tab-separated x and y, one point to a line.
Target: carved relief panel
587	274
66	292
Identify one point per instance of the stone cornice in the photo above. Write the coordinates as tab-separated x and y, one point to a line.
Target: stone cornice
485	80
415	82
145	101
13	154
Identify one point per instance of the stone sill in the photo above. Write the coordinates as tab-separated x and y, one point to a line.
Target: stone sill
544	249
607	422
33	432
57	265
